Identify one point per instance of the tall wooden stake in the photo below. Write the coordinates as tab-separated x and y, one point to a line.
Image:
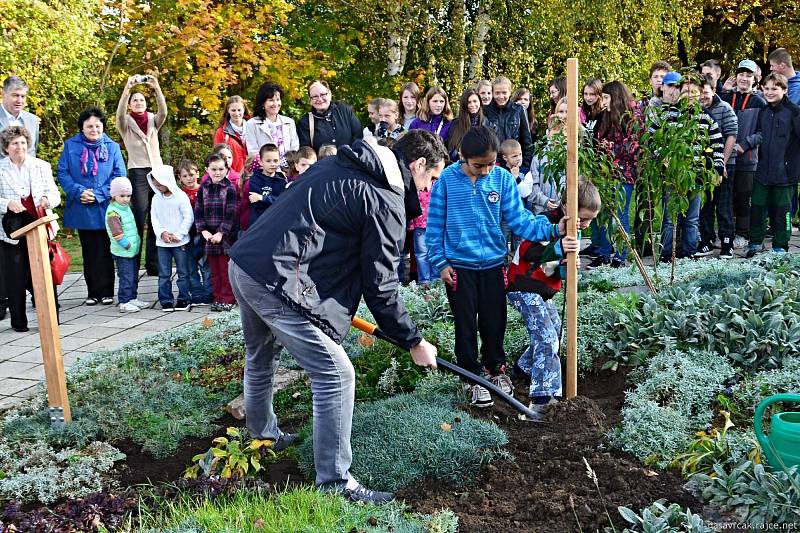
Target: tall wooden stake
573	122
35	234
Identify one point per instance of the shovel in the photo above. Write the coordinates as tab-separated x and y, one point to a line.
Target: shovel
372	329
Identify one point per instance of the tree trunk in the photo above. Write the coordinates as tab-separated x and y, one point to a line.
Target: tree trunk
398	50
459	41
482	24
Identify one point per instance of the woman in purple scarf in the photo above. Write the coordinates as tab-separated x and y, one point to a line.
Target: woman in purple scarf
88	163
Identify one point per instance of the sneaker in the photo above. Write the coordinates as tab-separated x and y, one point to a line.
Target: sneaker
617	263
481	397
365	495
284	441
503	382
128	307
704	250
91	301
726	252
201	304
140	304
589	251
778	250
664	259
739	242
167	307
598	262
754	249
183	305
106	300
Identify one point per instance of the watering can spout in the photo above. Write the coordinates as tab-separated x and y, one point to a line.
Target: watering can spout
782	446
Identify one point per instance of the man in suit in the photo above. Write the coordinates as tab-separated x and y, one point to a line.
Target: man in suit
12	113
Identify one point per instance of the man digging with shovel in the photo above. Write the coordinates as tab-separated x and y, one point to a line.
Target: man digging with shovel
300	272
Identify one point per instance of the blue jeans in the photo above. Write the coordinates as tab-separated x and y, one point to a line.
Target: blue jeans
165	257
128	274
689	223
421	255
268	324
600	239
540	361
199	274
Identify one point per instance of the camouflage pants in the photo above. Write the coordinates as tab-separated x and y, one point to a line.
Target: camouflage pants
540	360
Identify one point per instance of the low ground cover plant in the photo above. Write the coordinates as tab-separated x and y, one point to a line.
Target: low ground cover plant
388	434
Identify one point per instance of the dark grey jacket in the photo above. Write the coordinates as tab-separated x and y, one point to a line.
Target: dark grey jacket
746	107
332	236
511	122
778	140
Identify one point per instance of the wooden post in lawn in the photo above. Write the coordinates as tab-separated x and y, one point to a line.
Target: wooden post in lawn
35	234
572	227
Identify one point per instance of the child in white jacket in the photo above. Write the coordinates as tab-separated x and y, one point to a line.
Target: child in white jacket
171	216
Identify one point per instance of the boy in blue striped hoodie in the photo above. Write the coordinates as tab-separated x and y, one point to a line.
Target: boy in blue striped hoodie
466	245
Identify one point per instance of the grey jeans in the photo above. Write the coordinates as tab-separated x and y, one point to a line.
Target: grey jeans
267	324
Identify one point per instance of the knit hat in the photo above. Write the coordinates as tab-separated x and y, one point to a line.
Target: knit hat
121	185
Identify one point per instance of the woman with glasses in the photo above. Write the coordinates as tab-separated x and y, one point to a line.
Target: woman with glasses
328	122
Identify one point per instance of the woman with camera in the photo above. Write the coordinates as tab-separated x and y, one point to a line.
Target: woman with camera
139	131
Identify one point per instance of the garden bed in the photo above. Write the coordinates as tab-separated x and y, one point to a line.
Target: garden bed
546	487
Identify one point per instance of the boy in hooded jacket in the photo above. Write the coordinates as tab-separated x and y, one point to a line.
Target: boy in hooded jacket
172	217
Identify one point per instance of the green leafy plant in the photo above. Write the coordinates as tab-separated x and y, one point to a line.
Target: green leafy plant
232	457
662	518
707	449
758	497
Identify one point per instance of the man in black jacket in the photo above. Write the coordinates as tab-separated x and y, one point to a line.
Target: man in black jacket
509	120
300	272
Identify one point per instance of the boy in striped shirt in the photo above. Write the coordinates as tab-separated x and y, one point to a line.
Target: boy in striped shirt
466	245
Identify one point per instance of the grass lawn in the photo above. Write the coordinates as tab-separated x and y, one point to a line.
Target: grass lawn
72	244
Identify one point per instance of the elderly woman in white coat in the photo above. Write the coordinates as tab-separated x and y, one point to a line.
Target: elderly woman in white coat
268	126
26	183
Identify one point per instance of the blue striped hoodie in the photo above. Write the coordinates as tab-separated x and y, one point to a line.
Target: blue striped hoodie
464	219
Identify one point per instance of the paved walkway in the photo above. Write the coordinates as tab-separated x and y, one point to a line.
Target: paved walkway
84	329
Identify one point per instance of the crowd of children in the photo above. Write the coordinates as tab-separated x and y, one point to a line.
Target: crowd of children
495	190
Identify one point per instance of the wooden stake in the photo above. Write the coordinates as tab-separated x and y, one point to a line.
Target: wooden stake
573	122
35	234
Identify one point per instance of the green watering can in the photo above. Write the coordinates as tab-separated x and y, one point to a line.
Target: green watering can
782	446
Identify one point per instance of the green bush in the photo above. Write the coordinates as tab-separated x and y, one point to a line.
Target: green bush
665	409
405	438
35	472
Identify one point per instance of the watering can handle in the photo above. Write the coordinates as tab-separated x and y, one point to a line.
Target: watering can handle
758	422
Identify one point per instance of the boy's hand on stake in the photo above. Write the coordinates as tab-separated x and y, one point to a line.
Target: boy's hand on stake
424	354
570	244
447	275
562	225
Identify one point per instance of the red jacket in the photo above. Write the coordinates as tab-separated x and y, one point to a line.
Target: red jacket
225	134
536	268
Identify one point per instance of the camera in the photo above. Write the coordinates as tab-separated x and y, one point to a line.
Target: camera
142	78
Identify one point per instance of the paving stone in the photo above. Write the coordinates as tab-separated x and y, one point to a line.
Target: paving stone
70	329
6	402
73	343
124	322
33	356
30	339
12	368
99	332
11	386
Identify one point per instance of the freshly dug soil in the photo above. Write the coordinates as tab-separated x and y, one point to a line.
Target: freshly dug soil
546	487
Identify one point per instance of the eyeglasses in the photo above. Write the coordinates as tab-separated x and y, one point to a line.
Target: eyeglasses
320	96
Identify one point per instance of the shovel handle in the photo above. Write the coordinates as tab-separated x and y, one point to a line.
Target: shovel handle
372	329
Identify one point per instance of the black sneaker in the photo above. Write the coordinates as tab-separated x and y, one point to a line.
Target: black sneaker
598	262
664	259
727	249
183	305
704	250
617	263
284	441
167	307
363	494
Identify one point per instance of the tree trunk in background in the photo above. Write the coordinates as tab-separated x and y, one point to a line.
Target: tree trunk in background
459	41
398	50
482	23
